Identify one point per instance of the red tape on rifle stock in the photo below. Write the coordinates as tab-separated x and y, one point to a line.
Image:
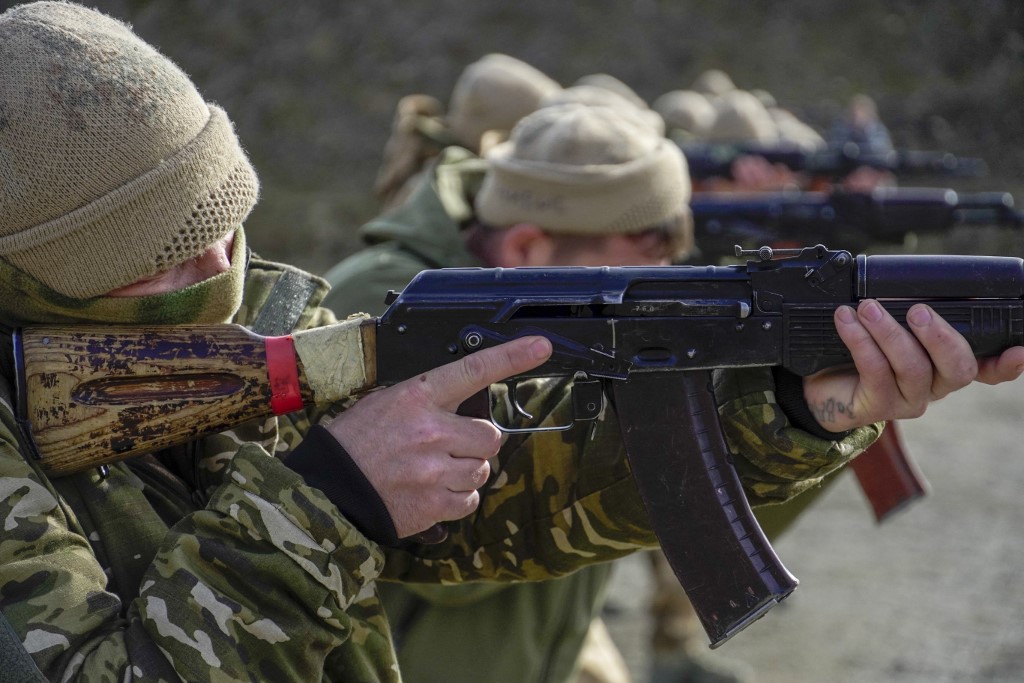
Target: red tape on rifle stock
283	373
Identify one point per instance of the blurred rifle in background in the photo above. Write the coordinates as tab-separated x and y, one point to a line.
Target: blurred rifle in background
711	160
851	220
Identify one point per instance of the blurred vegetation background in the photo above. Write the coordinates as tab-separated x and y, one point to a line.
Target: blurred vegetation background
312	85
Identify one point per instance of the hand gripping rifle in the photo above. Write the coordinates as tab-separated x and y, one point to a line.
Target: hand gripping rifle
857	220
647	338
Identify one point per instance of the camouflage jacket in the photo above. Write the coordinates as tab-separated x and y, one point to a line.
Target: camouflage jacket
215	562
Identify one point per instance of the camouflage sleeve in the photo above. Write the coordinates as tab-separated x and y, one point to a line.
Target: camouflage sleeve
53	589
557	501
775	460
267	582
268	579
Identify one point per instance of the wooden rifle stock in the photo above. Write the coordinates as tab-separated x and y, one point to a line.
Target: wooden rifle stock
87	398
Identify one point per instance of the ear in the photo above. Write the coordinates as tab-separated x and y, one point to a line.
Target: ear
524	244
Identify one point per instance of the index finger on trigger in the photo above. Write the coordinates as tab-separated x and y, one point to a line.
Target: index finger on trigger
453	383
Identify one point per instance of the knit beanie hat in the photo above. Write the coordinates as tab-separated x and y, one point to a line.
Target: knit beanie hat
741	118
112	167
609	82
603	97
578	169
494	93
685	110
713	82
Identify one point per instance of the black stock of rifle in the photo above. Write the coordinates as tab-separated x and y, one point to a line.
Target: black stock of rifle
715	160
856	220
647	338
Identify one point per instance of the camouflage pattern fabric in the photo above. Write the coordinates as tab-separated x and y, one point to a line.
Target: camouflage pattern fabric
215	562
558	500
25	300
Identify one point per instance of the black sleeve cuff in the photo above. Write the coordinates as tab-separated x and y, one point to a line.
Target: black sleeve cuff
324	464
789	393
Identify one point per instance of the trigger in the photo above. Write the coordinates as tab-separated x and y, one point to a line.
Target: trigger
514	399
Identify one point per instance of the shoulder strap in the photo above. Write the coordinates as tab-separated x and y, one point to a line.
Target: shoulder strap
284	305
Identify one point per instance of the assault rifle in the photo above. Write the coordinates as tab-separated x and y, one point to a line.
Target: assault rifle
856	220
711	160
644	338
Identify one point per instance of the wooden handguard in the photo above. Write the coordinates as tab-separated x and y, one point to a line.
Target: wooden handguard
91	396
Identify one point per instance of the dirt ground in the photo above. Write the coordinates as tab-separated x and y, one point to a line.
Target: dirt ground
933	595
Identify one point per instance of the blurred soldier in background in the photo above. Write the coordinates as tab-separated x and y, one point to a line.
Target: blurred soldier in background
713	83
861	126
742	120
492	93
687	114
862	129
448	221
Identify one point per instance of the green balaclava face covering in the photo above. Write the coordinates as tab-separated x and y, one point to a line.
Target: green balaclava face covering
25	301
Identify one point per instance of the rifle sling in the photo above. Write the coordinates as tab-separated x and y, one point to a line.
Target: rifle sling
284	306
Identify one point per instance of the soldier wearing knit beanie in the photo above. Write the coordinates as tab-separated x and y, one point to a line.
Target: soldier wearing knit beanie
112	166
489	97
576	169
742	118
493	93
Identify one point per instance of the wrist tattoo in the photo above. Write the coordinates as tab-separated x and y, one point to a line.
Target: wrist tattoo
829	411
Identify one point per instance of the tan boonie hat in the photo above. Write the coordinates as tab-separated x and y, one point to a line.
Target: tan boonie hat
579	169
493	93
112	167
